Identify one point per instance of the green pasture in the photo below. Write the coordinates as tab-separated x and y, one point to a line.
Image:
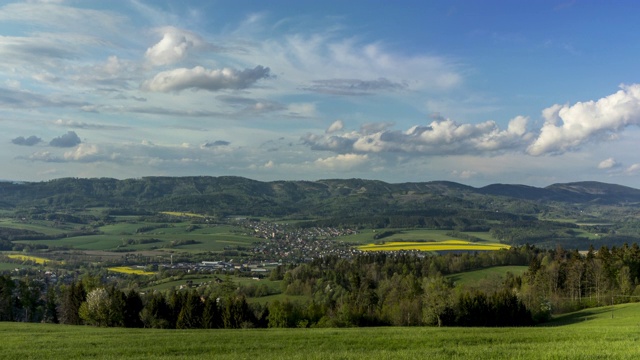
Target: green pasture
477	276
589	334
366	236
45	227
208	238
10	266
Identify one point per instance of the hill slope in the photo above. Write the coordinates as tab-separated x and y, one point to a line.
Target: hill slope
332	197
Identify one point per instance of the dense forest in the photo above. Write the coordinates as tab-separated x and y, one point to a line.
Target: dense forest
369	290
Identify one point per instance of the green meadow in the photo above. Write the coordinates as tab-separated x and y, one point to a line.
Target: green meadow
488	274
601	333
366	236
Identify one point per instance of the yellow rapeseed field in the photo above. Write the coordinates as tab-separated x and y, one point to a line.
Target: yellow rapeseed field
128	270
433	246
35	259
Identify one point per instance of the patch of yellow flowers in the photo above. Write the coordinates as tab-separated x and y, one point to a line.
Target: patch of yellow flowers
35	259
128	270
459	245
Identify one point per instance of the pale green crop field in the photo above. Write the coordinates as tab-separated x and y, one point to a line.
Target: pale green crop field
367	235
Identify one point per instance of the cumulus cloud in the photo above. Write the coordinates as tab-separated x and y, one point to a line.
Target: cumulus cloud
440	137
201	78
567	127
83	152
336	126
633	169
44	156
69	139
609	163
342	161
30	141
174	46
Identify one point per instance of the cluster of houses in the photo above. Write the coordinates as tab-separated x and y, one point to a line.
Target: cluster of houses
288	244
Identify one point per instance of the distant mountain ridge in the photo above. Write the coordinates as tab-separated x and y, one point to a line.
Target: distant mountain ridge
238	195
576	192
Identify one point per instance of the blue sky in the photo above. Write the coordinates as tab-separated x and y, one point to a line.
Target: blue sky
477	92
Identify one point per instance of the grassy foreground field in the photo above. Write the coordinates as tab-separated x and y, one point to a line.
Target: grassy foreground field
591	334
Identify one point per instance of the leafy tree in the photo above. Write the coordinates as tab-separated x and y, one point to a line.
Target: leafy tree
156	312
436	299
96	309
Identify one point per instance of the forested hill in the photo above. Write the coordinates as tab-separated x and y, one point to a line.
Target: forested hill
228	195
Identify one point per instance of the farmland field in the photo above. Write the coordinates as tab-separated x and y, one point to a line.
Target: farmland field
112	236
35	259
589	334
369	235
129	270
10	266
446	245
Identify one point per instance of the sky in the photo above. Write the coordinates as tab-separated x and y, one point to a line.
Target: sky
476	92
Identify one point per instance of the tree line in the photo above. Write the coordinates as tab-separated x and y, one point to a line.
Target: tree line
369	290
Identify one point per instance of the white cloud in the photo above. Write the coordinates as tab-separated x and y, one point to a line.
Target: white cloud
567	127
335	126
608	164
633	169
342	161
174	46
330	64
82	152
201	78
440	137
464	174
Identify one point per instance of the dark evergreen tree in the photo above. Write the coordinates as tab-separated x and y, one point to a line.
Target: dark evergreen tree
211	314
132	310
6	298
190	316
71	299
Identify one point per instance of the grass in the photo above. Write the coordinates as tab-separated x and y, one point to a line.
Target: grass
10	266
590	334
367	235
446	245
477	276
111	237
